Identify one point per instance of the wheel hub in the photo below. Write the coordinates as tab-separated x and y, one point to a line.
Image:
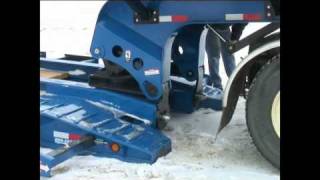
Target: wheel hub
275	114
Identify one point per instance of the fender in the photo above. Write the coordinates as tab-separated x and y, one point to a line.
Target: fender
236	82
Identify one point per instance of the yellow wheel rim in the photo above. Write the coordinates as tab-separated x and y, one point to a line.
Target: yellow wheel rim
275	114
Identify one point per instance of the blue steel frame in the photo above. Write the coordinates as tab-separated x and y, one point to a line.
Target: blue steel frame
122	102
115	26
70	107
154	44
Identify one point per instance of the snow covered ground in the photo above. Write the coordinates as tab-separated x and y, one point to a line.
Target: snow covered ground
67	27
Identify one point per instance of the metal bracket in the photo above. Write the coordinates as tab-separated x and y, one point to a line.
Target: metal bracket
152	18
217	34
269	12
57	156
234	47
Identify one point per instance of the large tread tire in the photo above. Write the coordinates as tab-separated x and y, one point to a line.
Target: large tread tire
263	90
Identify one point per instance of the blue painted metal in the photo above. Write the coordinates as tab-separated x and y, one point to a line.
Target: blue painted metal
73	107
139	142
82	115
181	97
186	64
115	26
45	165
51	159
136	107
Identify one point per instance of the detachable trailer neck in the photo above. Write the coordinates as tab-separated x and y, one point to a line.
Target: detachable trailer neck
74	121
92	111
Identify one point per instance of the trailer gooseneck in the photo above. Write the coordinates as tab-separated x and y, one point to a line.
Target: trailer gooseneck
119	108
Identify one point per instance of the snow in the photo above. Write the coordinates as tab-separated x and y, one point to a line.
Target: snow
67	27
77	72
117	112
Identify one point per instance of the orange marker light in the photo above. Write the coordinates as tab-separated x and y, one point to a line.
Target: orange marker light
115	147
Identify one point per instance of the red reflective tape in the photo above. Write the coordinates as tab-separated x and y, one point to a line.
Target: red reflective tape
179	18
252	17
74	137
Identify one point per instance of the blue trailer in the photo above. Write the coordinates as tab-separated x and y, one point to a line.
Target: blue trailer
119	108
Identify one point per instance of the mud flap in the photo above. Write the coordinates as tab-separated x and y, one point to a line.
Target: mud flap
228	110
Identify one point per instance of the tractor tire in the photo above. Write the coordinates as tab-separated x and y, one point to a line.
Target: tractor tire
263	111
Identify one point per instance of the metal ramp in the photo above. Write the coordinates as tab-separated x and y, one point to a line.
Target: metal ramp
51	159
68	119
77	118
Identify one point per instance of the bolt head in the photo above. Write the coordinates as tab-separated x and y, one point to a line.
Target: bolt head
128	55
96	51
154	12
166	117
269	14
